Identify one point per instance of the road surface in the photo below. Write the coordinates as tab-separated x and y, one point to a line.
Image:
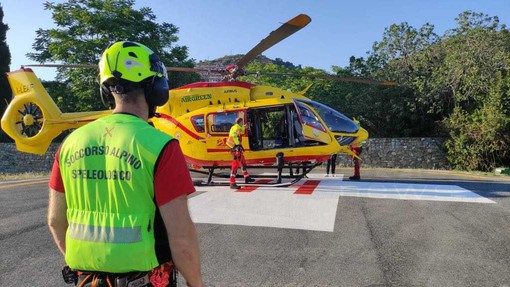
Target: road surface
392	228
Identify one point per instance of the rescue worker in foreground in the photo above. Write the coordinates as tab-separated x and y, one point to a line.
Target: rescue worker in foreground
118	206
234	141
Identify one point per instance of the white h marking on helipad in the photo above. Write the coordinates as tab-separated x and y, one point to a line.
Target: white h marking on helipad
404	191
282	208
276	207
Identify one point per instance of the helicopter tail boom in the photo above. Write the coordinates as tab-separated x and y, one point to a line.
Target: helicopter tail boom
32	118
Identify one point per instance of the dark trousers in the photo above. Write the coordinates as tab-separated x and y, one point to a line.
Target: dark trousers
331	164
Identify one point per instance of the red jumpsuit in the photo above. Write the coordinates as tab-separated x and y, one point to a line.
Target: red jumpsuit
357	150
238	162
235	139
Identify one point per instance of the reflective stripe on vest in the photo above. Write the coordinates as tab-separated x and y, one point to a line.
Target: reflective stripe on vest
105	233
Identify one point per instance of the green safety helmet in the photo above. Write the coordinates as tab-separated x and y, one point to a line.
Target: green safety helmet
125	66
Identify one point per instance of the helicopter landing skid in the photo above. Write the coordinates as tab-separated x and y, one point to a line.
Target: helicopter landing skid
294	174
226	183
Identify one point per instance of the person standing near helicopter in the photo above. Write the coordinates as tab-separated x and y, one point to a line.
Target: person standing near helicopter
356	148
234	141
330	165
118	208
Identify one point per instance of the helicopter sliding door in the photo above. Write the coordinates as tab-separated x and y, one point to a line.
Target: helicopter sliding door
311	129
279	127
268	127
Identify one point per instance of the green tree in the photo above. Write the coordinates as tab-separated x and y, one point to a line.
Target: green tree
476	77
395	51
5	62
458	81
86	27
455	85
59	91
393	111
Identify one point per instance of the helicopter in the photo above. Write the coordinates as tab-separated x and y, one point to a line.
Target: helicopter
285	130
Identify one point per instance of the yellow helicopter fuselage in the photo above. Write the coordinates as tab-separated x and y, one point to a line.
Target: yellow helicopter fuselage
190	114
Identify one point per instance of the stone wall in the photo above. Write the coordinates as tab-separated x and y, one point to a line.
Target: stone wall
422	153
13	161
418	153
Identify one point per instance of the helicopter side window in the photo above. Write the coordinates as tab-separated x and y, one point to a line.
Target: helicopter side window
220	123
198	123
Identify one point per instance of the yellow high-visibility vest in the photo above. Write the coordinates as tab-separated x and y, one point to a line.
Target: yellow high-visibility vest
107	169
234	136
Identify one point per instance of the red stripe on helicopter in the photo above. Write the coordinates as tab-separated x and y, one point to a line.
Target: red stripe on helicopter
21	70
218	150
181	126
308	187
216	84
221	150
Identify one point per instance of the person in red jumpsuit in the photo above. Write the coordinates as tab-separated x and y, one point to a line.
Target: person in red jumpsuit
357	148
234	141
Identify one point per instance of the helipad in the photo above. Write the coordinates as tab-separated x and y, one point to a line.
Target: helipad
309	204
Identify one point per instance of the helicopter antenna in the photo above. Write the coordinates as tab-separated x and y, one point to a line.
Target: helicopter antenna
305	90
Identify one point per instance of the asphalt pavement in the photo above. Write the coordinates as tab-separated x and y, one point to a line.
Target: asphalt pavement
392	228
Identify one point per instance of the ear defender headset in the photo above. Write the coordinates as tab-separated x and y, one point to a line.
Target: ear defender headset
126	66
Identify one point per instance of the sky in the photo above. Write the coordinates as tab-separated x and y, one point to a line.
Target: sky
215	28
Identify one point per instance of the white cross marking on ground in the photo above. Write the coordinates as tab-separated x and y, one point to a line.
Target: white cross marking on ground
282	208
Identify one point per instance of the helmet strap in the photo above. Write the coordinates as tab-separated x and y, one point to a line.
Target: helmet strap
116	86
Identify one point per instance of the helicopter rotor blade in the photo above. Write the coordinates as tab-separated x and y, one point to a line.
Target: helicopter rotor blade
195	70
175	69
224	72
331	77
62	65
287	29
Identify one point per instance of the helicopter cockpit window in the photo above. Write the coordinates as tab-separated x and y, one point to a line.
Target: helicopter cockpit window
221	122
335	121
198	123
308	117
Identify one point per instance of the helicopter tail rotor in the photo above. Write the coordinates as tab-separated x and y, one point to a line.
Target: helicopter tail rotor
32	118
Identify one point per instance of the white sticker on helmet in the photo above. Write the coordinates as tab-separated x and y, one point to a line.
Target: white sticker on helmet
130	63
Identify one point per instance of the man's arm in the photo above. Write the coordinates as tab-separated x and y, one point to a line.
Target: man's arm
57	219
183	239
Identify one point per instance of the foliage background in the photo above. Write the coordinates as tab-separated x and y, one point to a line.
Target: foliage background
5	62
454	85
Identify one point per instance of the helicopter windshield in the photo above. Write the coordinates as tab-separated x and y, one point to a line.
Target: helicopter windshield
335	121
